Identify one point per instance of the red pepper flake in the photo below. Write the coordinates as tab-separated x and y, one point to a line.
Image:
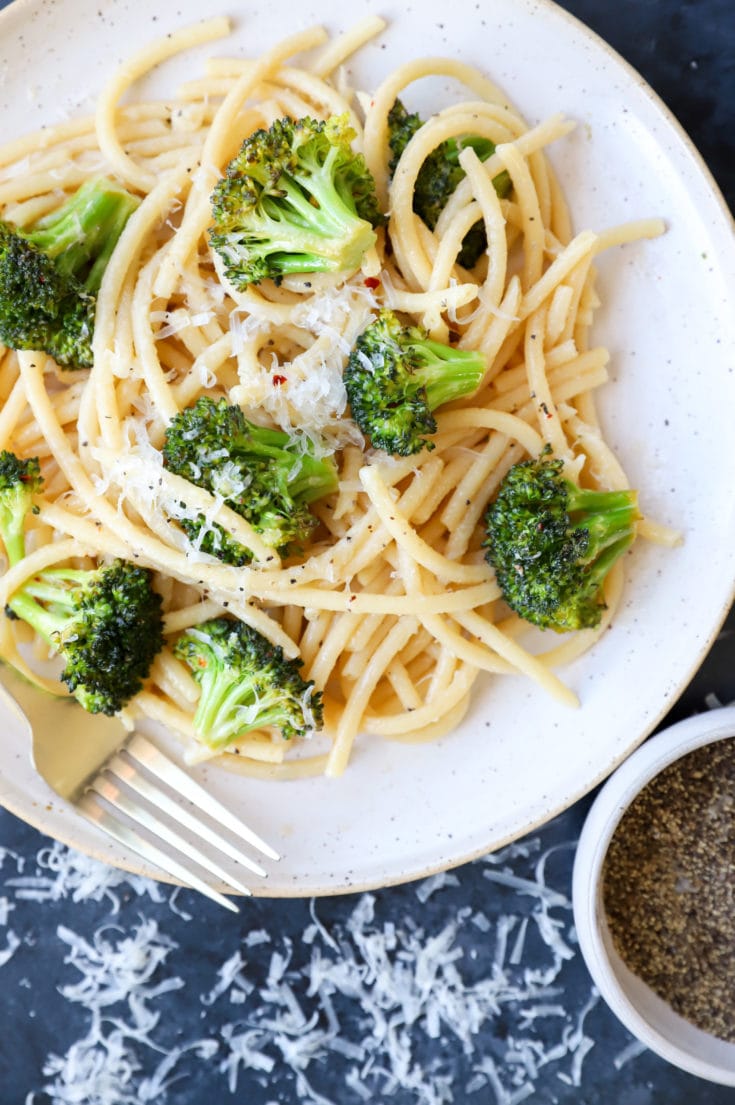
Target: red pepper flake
278	380
371	282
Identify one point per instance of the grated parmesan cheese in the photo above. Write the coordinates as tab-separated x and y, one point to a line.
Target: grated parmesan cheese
435	882
307	392
65	873
331	1002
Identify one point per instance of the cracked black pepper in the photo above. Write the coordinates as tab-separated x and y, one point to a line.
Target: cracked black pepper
669	887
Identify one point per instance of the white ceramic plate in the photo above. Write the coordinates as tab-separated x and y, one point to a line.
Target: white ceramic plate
519	758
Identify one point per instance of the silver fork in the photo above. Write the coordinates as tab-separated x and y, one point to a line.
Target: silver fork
85	758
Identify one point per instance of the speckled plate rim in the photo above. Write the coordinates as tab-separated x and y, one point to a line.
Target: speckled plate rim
33	812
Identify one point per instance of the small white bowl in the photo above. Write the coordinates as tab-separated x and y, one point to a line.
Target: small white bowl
641	1011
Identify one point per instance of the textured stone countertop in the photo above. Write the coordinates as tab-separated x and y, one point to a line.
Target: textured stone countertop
466	988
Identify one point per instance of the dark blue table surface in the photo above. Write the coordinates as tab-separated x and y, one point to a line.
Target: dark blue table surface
537	1020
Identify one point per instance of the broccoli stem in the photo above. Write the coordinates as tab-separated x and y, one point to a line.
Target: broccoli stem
600	566
608	517
259	441
81	234
483	147
48	623
313	481
13	508
447	373
308	478
52	587
607	528
20	480
227	705
324	227
598	502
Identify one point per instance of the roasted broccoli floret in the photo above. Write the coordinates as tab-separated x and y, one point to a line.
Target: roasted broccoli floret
51	272
552	543
267	476
440	174
396	376
295	199
105	622
246	683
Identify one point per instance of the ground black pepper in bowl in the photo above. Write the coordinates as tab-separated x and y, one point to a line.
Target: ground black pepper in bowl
669	887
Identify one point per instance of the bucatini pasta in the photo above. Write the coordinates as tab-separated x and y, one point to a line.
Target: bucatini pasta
393	609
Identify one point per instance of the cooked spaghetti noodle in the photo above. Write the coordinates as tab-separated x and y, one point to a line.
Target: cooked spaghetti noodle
392	609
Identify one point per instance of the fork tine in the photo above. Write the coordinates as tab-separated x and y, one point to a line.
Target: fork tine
130	839
112	793
146	753
132	777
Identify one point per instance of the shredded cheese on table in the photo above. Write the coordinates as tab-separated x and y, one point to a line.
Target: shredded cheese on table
467	983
